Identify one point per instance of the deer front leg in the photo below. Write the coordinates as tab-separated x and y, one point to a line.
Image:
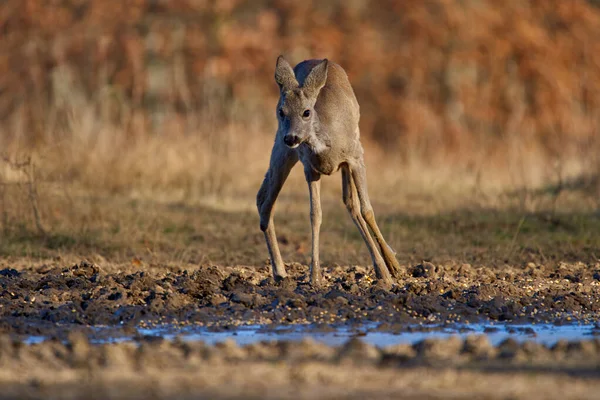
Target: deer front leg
282	161
359	177
316	216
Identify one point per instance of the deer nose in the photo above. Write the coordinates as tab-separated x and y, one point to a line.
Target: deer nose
291	140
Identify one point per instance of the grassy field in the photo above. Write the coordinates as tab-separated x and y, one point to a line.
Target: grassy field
458	221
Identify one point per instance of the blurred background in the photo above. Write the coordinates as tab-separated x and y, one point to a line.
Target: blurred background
462	101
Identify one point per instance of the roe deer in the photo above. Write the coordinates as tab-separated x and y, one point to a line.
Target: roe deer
318	118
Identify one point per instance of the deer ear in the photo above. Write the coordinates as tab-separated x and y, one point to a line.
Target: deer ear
284	75
317	78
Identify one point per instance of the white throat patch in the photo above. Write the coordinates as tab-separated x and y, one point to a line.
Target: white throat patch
317	145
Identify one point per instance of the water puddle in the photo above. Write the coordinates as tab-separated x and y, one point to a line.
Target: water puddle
546	334
34	339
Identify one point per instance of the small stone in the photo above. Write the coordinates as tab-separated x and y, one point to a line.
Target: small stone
424	270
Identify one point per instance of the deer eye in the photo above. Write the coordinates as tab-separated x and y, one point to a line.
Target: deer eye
281	113
306	114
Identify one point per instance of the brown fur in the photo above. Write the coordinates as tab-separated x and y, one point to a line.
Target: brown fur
318	118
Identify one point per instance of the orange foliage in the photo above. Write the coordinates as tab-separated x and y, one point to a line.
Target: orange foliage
443	73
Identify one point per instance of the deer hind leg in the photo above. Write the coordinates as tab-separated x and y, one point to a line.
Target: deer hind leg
359	177
351	200
314	187
282	162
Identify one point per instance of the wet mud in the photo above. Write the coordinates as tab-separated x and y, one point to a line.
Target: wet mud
53	300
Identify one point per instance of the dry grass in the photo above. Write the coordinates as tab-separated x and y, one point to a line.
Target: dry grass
187	197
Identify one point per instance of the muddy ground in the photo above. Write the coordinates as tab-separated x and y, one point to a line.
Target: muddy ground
53	299
66	303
